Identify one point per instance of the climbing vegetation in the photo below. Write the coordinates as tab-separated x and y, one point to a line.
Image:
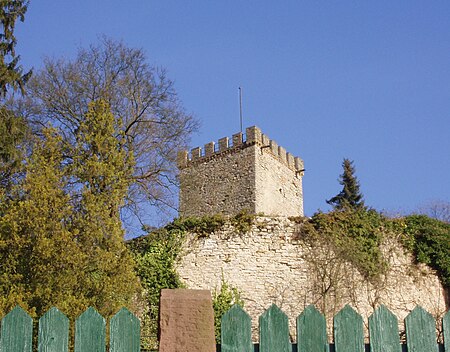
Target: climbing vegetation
223	299
156	255
429	240
354	235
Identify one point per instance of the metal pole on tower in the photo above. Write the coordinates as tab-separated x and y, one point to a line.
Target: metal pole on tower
240	106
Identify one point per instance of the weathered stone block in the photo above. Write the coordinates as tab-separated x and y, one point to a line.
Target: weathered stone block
186	321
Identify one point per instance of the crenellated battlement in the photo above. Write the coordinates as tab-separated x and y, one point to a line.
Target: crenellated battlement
239	141
245	172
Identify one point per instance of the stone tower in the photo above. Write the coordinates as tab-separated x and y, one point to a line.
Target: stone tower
254	174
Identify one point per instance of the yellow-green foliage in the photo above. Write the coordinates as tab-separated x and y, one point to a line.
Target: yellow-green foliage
61	238
155	256
223	300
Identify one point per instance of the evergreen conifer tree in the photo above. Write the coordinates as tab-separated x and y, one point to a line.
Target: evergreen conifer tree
11	73
61	238
14	136
350	197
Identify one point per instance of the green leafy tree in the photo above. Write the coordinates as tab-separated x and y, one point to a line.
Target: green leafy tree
61	246
11	73
350	196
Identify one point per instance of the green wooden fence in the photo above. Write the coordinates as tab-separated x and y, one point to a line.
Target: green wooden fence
347	330
53	333
16	334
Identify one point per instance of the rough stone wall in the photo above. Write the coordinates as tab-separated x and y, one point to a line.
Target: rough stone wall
255	175
278	188
222	183
270	264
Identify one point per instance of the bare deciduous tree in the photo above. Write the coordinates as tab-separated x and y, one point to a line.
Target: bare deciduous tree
437	209
155	124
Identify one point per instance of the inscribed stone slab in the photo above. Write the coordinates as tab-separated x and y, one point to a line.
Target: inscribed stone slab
186	321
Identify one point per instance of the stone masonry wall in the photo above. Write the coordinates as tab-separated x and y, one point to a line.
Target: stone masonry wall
278	188
254	174
222	183
271	265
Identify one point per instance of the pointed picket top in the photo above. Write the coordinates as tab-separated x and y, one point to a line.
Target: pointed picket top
383	330
348	331
236	331
274	331
16	331
125	332
311	331
420	331
53	332
446	327
90	332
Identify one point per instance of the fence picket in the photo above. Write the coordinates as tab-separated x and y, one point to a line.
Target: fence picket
236	331
125	332
383	330
420	331
446	327
17	331
311	331
273	331
53	332
348	331
90	332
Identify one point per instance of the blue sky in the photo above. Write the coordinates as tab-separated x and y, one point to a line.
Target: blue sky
369	81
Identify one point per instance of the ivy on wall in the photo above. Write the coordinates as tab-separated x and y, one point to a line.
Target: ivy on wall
156	255
354	235
429	240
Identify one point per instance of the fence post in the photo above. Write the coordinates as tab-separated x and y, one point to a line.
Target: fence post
311	331
90	332
348	331
446	327
236	331
53	332
125	332
17	331
274	331
420	331
383	330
